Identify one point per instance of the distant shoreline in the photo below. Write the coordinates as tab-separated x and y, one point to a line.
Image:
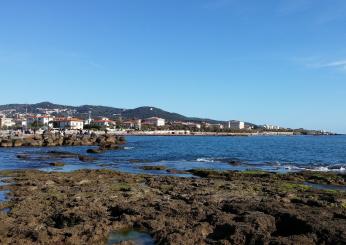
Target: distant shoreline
180	133
4	135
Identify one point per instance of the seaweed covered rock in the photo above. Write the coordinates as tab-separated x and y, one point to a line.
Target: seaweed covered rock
84	207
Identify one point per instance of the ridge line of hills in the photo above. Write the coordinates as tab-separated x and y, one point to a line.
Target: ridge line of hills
106	111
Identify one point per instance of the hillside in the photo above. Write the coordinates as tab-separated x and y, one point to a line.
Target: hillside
111	112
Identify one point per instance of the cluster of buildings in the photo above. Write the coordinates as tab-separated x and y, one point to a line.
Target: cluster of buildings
39	120
6	122
187	124
45	120
233	124
271	127
24	121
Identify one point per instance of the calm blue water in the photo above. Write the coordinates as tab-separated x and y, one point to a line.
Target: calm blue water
286	153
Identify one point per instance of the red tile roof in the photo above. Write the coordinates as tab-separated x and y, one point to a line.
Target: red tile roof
64	119
100	121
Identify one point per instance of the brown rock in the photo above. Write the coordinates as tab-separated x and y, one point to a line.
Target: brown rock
17	143
86	158
57	164
6	143
95	151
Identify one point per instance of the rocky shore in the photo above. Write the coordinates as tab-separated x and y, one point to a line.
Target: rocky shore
251	207
57	139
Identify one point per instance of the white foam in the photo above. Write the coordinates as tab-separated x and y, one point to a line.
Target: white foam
329	169
205	159
128	148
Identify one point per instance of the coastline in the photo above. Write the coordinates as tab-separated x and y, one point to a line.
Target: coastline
181	133
190	133
112	137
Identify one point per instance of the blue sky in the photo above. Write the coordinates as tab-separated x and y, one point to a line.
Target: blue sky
272	61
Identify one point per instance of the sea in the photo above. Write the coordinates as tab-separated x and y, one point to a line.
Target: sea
181	153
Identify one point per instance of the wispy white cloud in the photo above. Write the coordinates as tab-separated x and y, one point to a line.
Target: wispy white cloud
334	64
318	62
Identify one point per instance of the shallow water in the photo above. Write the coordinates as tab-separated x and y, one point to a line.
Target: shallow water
326	187
3	195
2	181
139	238
6	210
269	153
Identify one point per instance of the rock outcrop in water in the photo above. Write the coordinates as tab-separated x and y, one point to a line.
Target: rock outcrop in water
106	141
251	207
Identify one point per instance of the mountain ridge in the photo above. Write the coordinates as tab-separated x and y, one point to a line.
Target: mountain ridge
107	111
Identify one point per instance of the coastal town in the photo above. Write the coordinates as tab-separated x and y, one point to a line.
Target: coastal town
36	122
59	120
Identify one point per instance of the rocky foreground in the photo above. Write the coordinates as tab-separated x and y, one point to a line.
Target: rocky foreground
83	207
57	139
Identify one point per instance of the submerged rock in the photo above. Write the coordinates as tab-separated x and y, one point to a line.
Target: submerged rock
154	167
234	162
95	151
176	171
111	147
57	164
83	158
23	156
62	154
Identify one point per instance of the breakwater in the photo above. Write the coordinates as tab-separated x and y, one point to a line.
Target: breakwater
57	139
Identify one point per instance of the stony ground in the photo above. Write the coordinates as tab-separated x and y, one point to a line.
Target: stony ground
216	208
105	141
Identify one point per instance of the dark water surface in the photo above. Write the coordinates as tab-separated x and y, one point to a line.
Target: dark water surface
326	187
271	153
137	237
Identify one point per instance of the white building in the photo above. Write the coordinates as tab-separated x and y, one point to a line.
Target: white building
21	122
103	122
154	121
132	124
233	124
88	121
188	124
6	122
266	126
213	125
68	123
39	119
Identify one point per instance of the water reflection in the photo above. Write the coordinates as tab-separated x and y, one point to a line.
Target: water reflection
137	237
326	187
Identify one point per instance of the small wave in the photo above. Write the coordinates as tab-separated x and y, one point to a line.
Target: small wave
319	169
293	168
330	168
128	148
205	159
